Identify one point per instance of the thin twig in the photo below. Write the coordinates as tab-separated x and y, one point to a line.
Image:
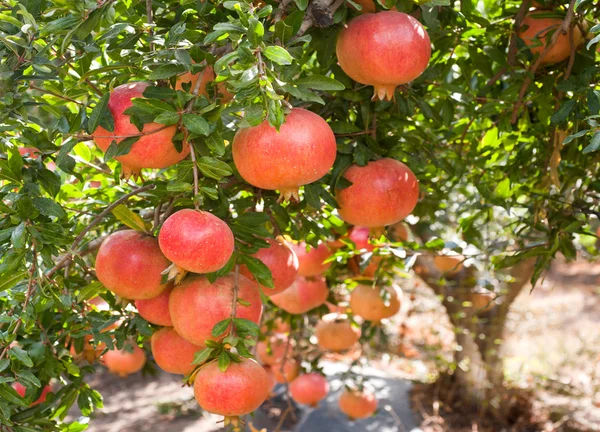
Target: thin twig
512	47
69	255
153	131
281	9
351	134
149	21
157	215
93	86
34	87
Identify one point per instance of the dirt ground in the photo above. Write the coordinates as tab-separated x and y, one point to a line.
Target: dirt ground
553	346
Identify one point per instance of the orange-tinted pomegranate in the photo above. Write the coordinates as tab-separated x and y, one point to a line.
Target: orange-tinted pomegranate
283	263
385	50
304	294
367	302
309	389
206	77
172	353
382	193
311	259
335	333
156	310
272	351
126	361
358	405
129	263
291	370
197	305
196	241
155	149
302	152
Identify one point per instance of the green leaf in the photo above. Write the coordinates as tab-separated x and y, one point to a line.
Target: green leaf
594	144
256	31
196	124
9	281
320	82
201	356
166	71
246	326
167	118
224	361
278	54
129	218
258	269
101	116
574	136
10	395
214	168
221	327
21	356
563	112
48	207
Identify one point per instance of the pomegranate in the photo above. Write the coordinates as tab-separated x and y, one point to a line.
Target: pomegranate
384	50
20	388
123	362
129	263
197	305
398	232
368	6
382	193
206	77
155	149
302	152
272	351
311	261
291	370
448	264
358	404
367	302
369	271
156	310
483	301
272	382
536	31
172	353
304	295
31	152
239	390
283	263
196	241
335	333
89	353
309	389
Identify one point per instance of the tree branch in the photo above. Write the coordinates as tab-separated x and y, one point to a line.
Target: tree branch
149	21
512	47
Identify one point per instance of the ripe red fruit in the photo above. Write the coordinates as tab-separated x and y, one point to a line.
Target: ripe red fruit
311	261
196	241
302	152
197	305
153	150
172	353
366	302
384	50
271	377
156	310
31	152
382	193
291	370
281	260
304	295
536	31
369	271
20	388
206	77
123	362
309	389
272	351
358	405
335	333
483	301
129	263
239	390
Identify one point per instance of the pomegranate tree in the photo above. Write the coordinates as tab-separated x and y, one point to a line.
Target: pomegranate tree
368	302
311	259
301	152
309	389
154	149
383	192
239	390
281	260
335	333
156	310
126	361
197	305
196	241
172	353
384	50
358	404
130	263
304	294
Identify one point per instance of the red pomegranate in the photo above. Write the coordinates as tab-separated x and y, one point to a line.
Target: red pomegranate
367	302
206	77
31	152
129	263
196	241
384	50
368	6
291	370
335	333
302	152
309	389
126	361
311	261
283	263
357	404
172	353
155	149
20	388
272	351
382	193
197	305
272	382
537	30
304	294
239	390
156	310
